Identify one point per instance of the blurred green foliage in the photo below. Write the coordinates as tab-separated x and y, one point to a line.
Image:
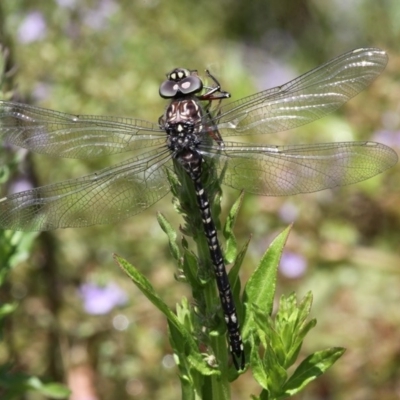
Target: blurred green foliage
108	57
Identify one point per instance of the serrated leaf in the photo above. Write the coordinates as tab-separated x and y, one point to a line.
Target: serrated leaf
146	288
275	343
232	215
184	243
257	367
306	328
288	310
277	375
173	181
190	268
260	288
201	366
312	367
183	313
299	336
290	323
304	309
180	344
185	336
291	357
171	234
267	371
188	354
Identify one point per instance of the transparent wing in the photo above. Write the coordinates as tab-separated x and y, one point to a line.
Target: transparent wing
304	99
289	170
72	136
106	196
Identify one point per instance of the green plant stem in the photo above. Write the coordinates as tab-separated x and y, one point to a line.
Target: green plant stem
220	384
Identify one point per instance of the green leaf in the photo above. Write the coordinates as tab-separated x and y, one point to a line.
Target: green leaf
260	288
173	181
312	367
277	375
17	385
304	308
231	244
267	371
54	391
147	289
190	269
167	228
273	353
234	271
269	336
188	356
235	281
184	312
290	323
4	174
264	395
294	350
8	308
257	367
178	330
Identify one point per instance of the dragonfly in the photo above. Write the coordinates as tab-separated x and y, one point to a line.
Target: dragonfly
191	133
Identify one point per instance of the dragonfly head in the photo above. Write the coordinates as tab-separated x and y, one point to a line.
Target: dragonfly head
180	82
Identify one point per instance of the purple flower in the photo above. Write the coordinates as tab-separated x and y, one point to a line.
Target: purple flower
288	212
388	137
41	91
32	28
292	265
67	3
20	185
98	300
96	18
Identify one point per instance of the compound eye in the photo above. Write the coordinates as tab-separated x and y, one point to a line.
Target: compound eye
188	85
168	89
191	84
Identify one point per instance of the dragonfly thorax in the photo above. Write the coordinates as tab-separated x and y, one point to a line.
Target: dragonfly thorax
185	110
181	122
181	136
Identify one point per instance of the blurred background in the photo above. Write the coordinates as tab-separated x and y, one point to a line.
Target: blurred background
80	320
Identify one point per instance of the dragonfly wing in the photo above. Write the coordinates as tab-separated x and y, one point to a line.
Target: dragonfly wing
106	196
304	99
289	170
72	136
